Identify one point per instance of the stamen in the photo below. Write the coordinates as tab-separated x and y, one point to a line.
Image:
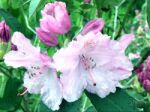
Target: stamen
91	77
21	94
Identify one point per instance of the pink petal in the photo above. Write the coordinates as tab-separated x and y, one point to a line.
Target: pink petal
126	40
17	59
23	44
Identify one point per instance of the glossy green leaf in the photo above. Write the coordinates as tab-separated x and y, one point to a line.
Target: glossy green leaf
10	20
10	99
119	101
33	6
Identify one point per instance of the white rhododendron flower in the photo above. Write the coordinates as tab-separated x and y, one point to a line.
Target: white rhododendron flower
40	77
93	62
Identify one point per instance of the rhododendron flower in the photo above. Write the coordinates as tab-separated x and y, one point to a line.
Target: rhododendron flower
55	20
40	77
93	62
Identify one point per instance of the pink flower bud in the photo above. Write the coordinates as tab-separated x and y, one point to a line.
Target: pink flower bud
4	32
55	18
146	85
143	73
48	38
14	47
87	1
95	26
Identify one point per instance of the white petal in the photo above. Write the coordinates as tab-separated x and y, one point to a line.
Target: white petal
51	91
104	85
33	84
74	83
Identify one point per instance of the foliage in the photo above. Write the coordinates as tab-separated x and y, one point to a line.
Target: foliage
119	16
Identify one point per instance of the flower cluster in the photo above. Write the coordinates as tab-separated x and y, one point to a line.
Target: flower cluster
55	21
143	73
92	61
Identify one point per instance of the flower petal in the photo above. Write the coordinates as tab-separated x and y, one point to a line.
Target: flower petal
103	86
51	91
33	84
18	59
74	83
23	44
48	38
126	40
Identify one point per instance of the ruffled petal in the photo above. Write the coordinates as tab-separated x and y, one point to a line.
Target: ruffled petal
103	85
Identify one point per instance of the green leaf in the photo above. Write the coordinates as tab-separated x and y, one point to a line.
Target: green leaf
10	20
148	12
33	7
10	99
43	108
71	107
120	101
91	109
16	3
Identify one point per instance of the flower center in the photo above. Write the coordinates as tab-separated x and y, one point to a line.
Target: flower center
35	71
87	62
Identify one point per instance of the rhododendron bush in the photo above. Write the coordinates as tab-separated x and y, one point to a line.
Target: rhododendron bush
74	56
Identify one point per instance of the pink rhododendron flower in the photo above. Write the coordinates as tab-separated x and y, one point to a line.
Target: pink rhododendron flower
40	77
93	62
55	20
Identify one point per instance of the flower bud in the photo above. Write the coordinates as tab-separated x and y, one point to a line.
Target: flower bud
14	47
87	1
55	18
143	73
48	38
94	26
4	32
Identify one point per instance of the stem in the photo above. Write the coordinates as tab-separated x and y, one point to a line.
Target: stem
27	23
115	22
115	19
25	105
84	104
